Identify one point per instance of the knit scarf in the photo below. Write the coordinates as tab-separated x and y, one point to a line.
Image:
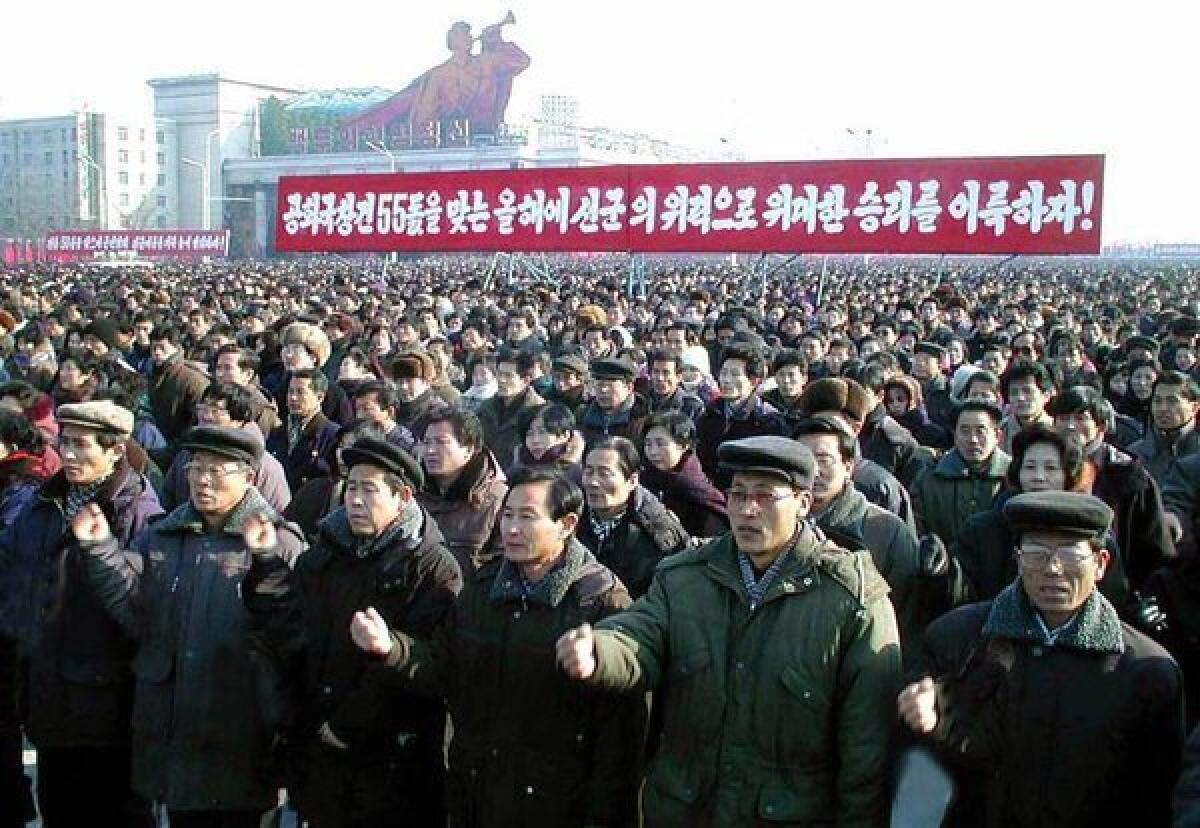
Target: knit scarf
602	528
79	496
406	527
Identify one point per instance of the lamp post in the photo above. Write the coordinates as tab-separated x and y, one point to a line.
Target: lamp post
204	185
87	159
382	150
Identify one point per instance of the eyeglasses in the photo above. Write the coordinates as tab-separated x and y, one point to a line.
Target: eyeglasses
762	499
200	472
1068	557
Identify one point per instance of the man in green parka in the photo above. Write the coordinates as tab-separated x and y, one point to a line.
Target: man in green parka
774	652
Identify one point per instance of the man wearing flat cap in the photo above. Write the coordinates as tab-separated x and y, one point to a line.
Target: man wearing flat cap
362	753
75	656
616	410
776	655
1048	707
206	710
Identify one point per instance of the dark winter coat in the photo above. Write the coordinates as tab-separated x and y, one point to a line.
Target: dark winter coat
175	389
721	422
949	493
467	511
312	456
1086	731
530	747
394	758
499	420
892	446
1141	533
627	422
206	712
1181	494
939	403
681	401
1159	453
20	479
690	495
852	522
76	655
646	534
879	486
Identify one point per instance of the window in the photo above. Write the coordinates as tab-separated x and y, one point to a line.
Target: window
124	199
123	178
162	201
27	159
122	134
142	179
162	158
48	157
48	136
63	135
66	157
27	137
162	180
142	156
142	135
123	156
160	137
162	222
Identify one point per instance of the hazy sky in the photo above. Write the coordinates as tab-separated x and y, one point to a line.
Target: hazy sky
778	80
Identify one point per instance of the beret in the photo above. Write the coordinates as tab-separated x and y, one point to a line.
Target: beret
930	348
571	362
100	415
387	456
1073	513
237	444
779	456
413	365
613	368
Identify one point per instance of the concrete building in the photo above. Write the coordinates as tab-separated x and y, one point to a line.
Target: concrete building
215	119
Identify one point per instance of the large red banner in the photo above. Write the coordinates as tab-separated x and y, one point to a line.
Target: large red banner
148	243
1028	205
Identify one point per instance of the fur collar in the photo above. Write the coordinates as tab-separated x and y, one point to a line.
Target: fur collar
1095	628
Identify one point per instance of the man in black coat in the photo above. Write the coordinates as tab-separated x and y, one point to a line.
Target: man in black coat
362	756
1057	712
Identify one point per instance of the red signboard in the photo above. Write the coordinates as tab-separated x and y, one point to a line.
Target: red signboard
1031	205
173	244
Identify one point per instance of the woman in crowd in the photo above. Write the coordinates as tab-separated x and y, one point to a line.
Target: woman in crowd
549	440
671	472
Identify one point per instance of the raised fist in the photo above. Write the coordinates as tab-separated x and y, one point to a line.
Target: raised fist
370	632
90	525
259	533
576	651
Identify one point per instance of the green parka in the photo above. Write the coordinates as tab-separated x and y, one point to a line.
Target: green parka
778	715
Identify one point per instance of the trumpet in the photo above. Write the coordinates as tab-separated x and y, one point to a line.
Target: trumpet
508	20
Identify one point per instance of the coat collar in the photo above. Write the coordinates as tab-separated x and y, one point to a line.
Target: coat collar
953	466
844	515
185	518
1095	628
798	575
550	591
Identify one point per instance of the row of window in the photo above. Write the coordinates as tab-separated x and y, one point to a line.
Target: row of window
10	137
160	137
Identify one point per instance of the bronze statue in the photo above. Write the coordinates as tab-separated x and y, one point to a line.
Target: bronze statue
470	86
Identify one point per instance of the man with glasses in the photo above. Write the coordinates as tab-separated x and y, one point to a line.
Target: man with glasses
1051	708
229	406
776	654
205	712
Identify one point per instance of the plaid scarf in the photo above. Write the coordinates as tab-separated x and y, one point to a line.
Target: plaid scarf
756	588
79	496
603	527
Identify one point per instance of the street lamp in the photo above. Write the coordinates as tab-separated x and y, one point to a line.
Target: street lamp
204	185
87	159
383	151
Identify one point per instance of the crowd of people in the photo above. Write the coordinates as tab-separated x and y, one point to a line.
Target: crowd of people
426	544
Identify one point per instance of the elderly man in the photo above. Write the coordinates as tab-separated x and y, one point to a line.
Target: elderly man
777	656
1057	712
205	711
363	755
529	746
76	657
615	410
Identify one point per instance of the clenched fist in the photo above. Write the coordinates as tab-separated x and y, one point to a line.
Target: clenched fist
90	525
259	533
370	632
918	706
576	651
